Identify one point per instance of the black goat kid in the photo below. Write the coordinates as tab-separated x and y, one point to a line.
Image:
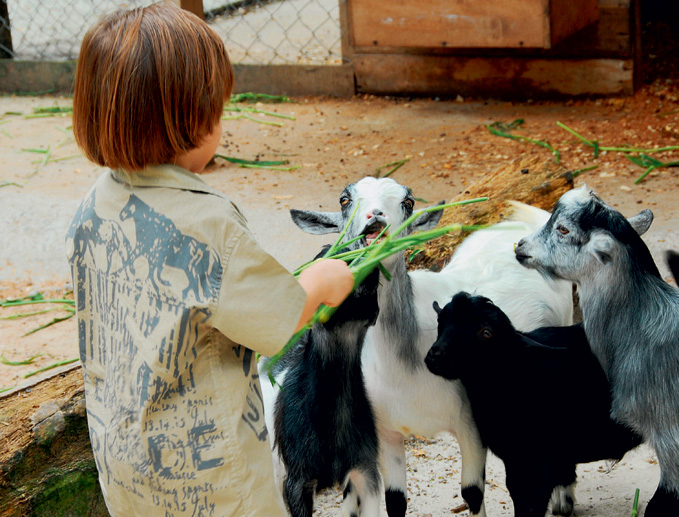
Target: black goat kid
515	383
324	426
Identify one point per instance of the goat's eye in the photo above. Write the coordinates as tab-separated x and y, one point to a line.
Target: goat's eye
562	230
408	203
344	201
486	333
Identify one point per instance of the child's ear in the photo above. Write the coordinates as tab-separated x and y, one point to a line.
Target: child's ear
601	246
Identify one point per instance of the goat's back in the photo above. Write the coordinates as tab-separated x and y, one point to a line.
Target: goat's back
550	377
485	264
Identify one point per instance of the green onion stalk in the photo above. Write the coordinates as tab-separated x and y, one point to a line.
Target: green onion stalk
364	260
635	506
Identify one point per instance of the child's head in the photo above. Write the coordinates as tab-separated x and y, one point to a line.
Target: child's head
150	86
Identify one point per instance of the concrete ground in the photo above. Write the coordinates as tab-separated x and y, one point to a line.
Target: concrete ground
334	142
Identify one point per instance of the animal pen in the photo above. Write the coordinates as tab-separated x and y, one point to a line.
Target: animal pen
491	48
312	47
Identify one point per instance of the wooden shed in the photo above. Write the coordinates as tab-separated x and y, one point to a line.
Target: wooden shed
523	49
499	48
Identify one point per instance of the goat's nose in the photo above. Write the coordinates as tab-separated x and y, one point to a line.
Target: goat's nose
374	213
521	243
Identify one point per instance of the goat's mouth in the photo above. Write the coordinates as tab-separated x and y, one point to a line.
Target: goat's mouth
372	232
523	258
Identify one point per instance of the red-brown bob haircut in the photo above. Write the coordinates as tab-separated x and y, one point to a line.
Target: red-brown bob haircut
150	85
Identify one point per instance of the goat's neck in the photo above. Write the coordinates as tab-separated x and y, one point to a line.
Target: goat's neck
338	350
397	321
619	306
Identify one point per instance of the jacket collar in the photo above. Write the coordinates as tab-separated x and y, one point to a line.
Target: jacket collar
167	176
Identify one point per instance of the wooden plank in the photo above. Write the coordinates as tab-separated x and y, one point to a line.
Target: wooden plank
36	76
194	6
504	77
448	23
615	3
609	37
636	43
333	80
58	76
464	24
346	30
46	462
567	17
5	32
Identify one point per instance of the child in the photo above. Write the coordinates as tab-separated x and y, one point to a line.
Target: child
173	294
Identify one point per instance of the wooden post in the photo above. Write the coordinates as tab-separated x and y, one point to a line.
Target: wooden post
346	31
194	6
5	32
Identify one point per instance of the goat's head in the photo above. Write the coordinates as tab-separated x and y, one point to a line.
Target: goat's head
469	329
582	236
381	202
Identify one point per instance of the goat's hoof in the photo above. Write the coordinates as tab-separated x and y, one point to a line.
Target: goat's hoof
564	509
563	501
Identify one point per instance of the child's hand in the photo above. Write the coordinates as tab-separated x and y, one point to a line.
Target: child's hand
326	282
332	278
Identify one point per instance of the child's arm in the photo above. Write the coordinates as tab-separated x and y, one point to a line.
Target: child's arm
327	282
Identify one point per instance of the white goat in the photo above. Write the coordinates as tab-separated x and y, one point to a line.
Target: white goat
406	397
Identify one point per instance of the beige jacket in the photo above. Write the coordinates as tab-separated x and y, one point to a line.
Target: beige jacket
173	298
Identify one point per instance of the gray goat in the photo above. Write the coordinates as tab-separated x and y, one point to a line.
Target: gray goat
631	318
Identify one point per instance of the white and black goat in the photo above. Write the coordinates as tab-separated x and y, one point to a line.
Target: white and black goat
524	377
406	397
631	317
322	423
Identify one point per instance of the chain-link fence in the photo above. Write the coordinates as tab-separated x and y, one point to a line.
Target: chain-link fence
255	31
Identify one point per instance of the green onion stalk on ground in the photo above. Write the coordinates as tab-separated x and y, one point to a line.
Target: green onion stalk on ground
503	130
642	159
51	366
364	260
635	506
64	304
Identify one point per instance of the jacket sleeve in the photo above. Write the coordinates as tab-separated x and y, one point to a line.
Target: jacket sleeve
260	302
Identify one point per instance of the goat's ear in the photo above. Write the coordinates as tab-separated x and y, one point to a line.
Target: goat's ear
427	220
601	246
642	221
317	223
672	258
437	307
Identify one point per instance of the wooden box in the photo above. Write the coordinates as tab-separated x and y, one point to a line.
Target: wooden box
467	23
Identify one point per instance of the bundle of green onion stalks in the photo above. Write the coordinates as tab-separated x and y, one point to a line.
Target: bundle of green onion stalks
364	260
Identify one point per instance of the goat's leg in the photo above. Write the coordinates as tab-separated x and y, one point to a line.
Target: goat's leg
363	486
393	467
563	496
351	500
473	455
665	501
530	496
299	496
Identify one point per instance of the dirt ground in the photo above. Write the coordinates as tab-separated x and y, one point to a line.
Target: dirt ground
333	142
